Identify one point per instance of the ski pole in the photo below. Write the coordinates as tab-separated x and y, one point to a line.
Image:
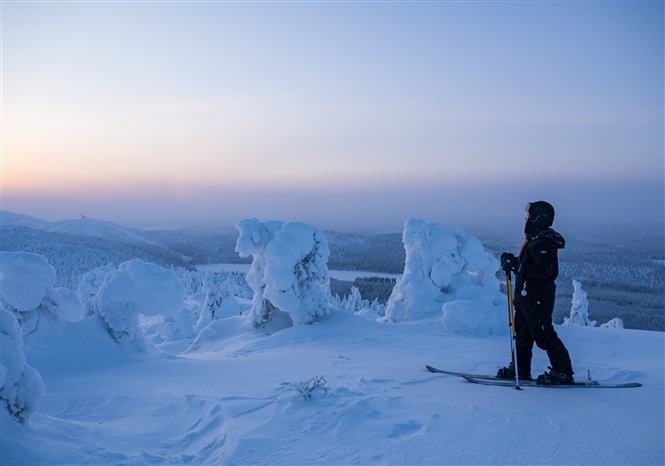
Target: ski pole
511	324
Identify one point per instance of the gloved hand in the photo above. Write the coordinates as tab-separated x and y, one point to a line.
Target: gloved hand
508	262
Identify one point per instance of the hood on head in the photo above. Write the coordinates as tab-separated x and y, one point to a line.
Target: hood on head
540	215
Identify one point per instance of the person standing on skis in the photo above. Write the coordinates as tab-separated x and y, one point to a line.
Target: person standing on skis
536	270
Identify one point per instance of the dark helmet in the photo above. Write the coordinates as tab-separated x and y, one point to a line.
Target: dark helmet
540	216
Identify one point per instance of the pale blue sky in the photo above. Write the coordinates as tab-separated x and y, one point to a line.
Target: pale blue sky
215	111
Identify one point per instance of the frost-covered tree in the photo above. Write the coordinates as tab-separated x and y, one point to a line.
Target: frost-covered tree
289	271
21	385
220	301
90	284
115	304
579	311
137	287
27	288
354	302
450	273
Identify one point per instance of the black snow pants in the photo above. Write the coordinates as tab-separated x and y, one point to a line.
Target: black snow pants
533	323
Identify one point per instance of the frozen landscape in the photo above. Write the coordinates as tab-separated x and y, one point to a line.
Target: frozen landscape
145	363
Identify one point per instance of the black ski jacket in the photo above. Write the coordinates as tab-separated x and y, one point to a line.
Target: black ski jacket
538	263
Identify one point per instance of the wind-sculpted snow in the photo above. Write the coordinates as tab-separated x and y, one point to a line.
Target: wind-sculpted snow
344	390
450	273
21	386
289	271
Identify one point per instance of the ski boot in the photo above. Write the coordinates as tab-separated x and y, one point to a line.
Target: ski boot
508	372
553	377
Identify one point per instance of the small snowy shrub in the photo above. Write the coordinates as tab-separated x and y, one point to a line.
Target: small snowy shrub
310	388
579	311
21	386
289	271
614	323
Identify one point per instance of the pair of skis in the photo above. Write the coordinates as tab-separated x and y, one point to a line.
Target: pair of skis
484	379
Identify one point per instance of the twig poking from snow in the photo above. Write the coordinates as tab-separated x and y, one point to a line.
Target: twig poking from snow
306	389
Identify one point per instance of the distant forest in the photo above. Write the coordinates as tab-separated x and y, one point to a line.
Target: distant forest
625	280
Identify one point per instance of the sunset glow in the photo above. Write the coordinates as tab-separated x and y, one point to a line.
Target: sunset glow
126	100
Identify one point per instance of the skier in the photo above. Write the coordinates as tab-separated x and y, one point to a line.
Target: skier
536	270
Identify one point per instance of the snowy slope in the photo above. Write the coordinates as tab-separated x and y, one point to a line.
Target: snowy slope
11	219
238	399
83	226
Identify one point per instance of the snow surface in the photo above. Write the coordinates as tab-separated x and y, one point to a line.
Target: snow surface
243	402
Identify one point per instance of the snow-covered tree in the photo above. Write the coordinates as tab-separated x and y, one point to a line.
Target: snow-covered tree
579	311
614	323
444	268
90	284
289	271
137	287
21	385
27	288
26	281
115	304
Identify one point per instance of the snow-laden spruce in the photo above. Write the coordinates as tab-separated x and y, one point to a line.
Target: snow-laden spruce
220	299
137	287
21	385
579	310
289	271
354	302
26	281
447	272
27	289
90	284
